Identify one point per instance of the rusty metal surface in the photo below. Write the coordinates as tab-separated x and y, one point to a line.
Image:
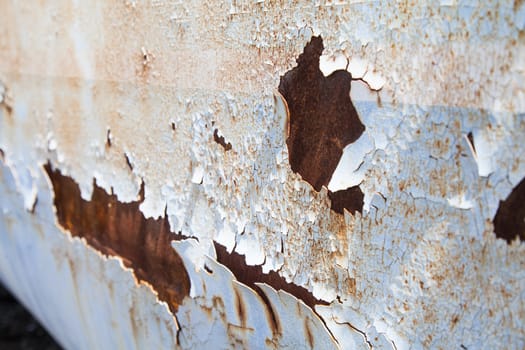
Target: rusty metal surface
180	96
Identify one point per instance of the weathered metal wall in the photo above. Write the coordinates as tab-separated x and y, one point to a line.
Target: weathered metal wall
167	116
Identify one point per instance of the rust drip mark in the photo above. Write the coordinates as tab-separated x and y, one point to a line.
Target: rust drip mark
250	274
120	229
220	140
323	119
2	155
240	308
276	325
308	332
509	221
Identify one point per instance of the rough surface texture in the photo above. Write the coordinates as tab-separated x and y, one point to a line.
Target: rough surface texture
130	93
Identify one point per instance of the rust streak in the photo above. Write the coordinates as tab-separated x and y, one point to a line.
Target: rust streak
240	308
308	332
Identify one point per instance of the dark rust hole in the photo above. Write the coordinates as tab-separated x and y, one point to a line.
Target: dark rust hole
350	199
509	221
323	121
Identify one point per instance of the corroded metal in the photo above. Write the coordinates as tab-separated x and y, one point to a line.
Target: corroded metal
179	99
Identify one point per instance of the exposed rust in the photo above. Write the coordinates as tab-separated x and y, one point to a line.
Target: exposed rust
509	221
116	228
2	155
350	199
251	274
323	121
120	229
220	140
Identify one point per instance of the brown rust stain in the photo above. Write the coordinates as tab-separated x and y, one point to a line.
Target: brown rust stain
323	121
120	229
509	221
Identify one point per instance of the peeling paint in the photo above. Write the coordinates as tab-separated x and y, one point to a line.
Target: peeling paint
418	267
120	229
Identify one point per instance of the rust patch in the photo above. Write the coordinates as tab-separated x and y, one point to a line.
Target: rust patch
250	274
220	140
323	120
120	229
350	199
509	220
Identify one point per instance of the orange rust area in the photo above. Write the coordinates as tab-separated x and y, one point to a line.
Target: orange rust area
323	121
120	229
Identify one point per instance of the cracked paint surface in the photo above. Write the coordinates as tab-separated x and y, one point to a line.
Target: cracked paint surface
420	267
